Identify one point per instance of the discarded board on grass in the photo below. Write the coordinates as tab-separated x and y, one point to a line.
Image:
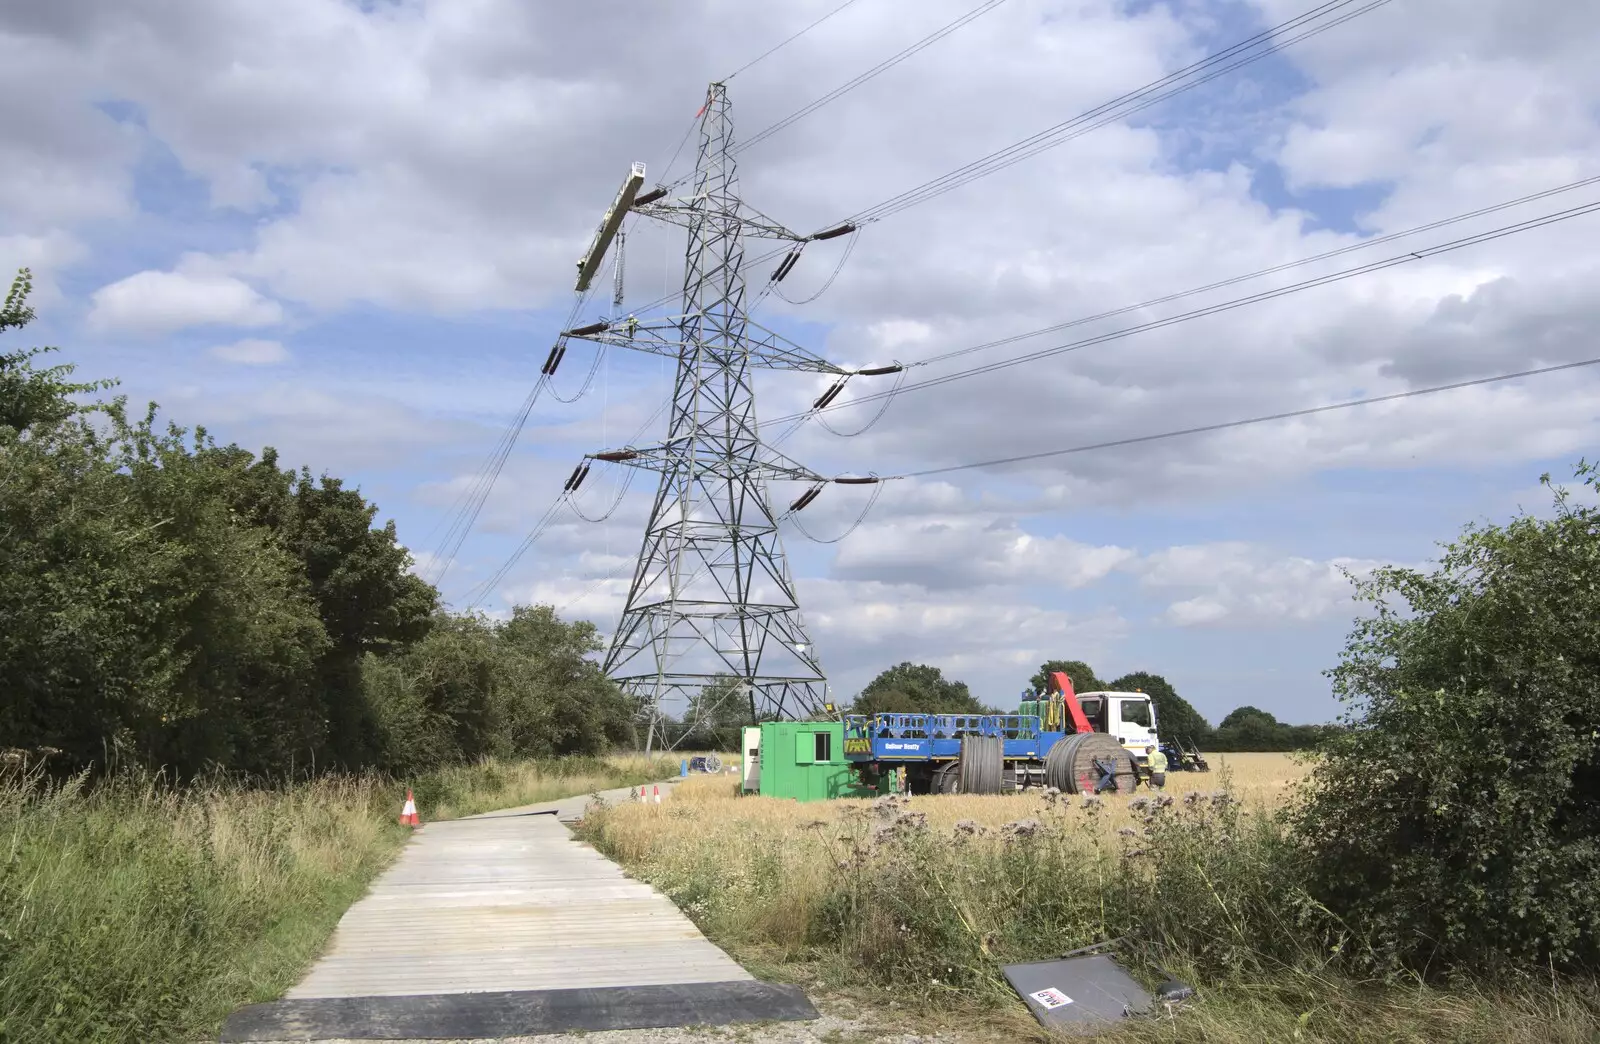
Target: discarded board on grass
1084	992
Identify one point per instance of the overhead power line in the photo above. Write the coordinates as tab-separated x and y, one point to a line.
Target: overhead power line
1312	23
763	56
463	513
794	419
882	67
1273	270
1135	440
1244	422
1215	309
1246	51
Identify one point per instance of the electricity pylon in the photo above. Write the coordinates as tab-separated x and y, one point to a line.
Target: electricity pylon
712	596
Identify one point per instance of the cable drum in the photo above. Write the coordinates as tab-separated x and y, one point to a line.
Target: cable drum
982	764
1070	765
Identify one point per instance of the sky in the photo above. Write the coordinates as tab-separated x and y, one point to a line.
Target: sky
347	230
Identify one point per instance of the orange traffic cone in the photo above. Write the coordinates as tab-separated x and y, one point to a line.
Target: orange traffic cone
408	813
658	795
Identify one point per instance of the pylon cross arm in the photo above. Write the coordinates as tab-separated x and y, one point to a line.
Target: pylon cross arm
663	335
692	210
674	457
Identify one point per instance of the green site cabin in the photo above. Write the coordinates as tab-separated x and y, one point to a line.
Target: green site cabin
799	760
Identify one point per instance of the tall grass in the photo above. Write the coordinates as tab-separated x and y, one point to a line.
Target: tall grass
924	900
136	911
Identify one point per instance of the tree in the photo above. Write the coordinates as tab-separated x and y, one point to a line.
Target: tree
916	688
140	618
1455	822
30	396
1082	675
1249	728
472	687
358	575
1175	717
558	700
168	601
172	602
1240	717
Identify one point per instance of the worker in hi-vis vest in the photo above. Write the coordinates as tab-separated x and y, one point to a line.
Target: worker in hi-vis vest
1156	762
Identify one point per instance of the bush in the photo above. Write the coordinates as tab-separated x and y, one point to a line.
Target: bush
1456	824
475	688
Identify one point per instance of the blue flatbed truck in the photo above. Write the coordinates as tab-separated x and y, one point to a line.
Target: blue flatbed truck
1089	743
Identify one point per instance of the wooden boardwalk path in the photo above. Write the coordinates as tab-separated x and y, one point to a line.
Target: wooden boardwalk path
509	908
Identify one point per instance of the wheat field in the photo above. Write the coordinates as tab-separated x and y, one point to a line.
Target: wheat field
720	854
710	809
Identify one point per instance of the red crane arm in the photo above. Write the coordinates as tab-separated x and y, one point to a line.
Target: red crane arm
1063	685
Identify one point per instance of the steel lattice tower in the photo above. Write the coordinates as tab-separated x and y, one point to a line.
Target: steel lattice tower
712	595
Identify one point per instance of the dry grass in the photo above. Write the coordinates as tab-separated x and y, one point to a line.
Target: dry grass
712	805
707	832
899	911
136	911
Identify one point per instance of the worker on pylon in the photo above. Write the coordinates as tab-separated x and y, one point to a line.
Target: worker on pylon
1156	765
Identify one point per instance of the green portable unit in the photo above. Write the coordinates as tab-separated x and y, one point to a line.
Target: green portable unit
804	760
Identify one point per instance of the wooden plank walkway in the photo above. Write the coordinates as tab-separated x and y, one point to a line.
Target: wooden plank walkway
506	902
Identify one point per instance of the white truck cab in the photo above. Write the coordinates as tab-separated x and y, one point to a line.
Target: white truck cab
1129	716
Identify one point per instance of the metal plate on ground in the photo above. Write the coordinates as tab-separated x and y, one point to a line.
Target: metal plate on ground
1077	992
467	1016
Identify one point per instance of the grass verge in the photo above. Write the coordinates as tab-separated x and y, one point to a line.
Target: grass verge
133	911
912	907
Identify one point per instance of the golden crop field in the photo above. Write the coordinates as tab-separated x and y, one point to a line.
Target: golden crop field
708	807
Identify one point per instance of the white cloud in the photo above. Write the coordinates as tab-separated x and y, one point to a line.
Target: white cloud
195	294
965	552
989	640
252	352
1240	584
44	255
424	563
450	158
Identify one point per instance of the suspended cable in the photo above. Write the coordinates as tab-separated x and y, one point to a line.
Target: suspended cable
484	589
882	67
1274	270
1271	41
470	505
774	50
877	491
843	257
478	493
899	381
623	483
1263	419
797	419
667	170
1131	102
588	379
1227	306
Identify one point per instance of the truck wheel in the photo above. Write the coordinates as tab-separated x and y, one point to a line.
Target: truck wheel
947	779
982	764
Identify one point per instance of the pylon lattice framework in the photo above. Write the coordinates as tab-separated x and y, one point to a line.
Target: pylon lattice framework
712	596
